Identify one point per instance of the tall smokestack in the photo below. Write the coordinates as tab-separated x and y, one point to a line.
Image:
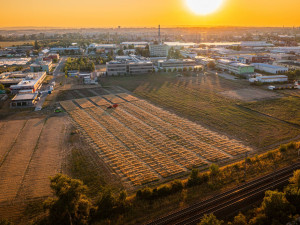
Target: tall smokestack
159	38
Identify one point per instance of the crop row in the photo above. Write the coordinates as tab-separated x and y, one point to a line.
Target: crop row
113	152
152	156
188	141
222	142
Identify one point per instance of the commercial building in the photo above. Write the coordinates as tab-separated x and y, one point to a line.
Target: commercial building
129	65
68	50
41	65
32	83
235	67
161	50
270	79
273	69
176	63
24	100
103	47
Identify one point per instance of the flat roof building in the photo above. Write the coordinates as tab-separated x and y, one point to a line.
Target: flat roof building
270	68
32	82
41	66
176	63
235	67
129	65
158	50
270	79
24	100
14	61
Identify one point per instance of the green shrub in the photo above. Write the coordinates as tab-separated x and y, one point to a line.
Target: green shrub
291	145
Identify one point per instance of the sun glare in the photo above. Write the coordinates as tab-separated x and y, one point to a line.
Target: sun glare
204	7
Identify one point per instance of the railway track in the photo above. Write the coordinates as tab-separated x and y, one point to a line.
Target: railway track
229	201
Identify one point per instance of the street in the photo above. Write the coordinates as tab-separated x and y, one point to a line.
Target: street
45	88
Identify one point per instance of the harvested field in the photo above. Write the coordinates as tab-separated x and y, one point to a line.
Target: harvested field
32	153
143	143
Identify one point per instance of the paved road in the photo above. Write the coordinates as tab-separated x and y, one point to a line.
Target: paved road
45	88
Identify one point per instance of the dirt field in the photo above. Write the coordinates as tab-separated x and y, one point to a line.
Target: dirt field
31	151
248	95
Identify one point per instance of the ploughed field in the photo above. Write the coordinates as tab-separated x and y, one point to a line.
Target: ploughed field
143	143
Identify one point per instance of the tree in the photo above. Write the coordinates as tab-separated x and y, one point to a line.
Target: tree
292	191
295	179
292	194
214	169
240	219
120	52
210	220
211	65
36	45
71	206
276	207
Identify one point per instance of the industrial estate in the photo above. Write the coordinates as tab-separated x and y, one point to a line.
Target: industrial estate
161	125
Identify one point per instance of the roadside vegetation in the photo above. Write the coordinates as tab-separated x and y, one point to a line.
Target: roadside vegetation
277	207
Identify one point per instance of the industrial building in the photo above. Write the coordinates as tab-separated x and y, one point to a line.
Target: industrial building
235	67
68	50
32	82
159	50
135	44
204	60
188	54
103	47
14	61
177	63
273	69
24	100
270	79
179	45
129	65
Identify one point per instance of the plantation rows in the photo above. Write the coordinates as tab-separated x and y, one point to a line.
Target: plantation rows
143	143
144	150
112	151
222	142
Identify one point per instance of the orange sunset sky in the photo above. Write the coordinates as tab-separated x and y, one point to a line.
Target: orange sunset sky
139	13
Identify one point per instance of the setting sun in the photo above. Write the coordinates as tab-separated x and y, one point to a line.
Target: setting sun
203	7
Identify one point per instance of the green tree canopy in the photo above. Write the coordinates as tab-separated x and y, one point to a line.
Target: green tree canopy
276	207
210	220
70	206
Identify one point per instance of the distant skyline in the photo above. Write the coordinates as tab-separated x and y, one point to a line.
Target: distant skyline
143	13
